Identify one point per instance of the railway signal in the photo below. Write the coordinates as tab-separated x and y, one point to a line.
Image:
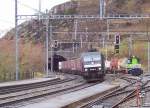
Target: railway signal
55	43
117	42
117	39
117	51
116	48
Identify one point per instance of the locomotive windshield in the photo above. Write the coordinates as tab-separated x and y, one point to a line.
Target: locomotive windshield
91	56
91	61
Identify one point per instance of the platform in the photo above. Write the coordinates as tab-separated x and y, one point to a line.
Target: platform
67	99
23	82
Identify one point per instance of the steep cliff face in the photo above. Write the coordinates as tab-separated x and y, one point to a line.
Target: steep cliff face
91	7
33	30
128	6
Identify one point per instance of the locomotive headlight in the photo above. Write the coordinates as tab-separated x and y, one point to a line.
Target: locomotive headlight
86	69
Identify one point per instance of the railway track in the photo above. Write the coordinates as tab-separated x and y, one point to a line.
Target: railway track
126	98
132	95
124	94
25	96
17	88
45	97
11	96
104	97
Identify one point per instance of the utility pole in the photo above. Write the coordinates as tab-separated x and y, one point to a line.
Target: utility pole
40	9
130	46
75	29
81	40
17	40
101	10
106	38
51	45
47	42
102	5
148	54
103	37
86	33
75	33
73	46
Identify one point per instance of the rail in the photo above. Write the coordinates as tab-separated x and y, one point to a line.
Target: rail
118	92
11	96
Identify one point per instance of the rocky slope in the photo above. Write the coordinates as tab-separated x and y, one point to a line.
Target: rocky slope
34	30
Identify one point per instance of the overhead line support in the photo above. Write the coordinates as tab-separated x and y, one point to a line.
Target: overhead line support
17	40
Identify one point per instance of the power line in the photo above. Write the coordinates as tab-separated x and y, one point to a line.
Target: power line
25	5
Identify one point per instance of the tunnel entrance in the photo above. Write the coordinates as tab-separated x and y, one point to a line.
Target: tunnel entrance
56	60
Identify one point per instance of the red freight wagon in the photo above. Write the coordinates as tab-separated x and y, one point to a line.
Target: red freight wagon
71	65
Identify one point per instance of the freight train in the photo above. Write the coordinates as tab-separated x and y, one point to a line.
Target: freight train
90	65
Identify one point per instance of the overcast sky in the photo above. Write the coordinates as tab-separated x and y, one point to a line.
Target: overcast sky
7	8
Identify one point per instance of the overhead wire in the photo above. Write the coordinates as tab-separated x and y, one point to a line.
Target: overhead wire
27	6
